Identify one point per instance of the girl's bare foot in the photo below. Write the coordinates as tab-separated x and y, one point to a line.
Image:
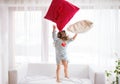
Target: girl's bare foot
67	77
58	81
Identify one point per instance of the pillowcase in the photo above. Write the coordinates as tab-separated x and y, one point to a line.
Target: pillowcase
80	26
60	12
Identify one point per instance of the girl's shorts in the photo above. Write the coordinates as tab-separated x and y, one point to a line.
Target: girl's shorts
59	59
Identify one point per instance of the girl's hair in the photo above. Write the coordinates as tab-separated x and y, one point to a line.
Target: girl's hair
62	35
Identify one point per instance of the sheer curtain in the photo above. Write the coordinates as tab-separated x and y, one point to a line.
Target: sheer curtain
4	44
118	35
107	27
27	37
96	47
19	39
9	40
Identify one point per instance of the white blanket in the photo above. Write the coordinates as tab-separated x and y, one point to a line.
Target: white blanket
52	80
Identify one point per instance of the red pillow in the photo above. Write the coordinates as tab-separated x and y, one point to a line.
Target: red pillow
60	12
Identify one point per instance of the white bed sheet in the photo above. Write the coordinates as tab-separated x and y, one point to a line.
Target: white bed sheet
52	80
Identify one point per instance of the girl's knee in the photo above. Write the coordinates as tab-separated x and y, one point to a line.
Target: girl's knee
65	68
58	67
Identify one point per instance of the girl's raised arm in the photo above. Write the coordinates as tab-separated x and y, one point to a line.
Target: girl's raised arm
54	35
74	36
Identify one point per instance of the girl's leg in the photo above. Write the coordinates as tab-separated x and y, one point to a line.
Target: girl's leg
58	73
65	64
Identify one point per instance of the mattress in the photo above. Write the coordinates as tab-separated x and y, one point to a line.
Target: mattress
52	80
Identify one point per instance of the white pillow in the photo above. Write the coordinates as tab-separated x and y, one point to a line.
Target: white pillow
80	26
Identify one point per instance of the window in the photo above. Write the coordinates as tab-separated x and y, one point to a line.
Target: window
27	26
83	48
33	37
94	46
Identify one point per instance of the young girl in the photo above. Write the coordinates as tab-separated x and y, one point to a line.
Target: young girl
61	41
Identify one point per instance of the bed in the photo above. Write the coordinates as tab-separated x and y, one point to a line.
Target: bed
45	74
52	80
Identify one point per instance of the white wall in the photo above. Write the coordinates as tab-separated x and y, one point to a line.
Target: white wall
0	54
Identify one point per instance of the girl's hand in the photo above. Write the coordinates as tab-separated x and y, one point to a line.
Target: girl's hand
54	27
